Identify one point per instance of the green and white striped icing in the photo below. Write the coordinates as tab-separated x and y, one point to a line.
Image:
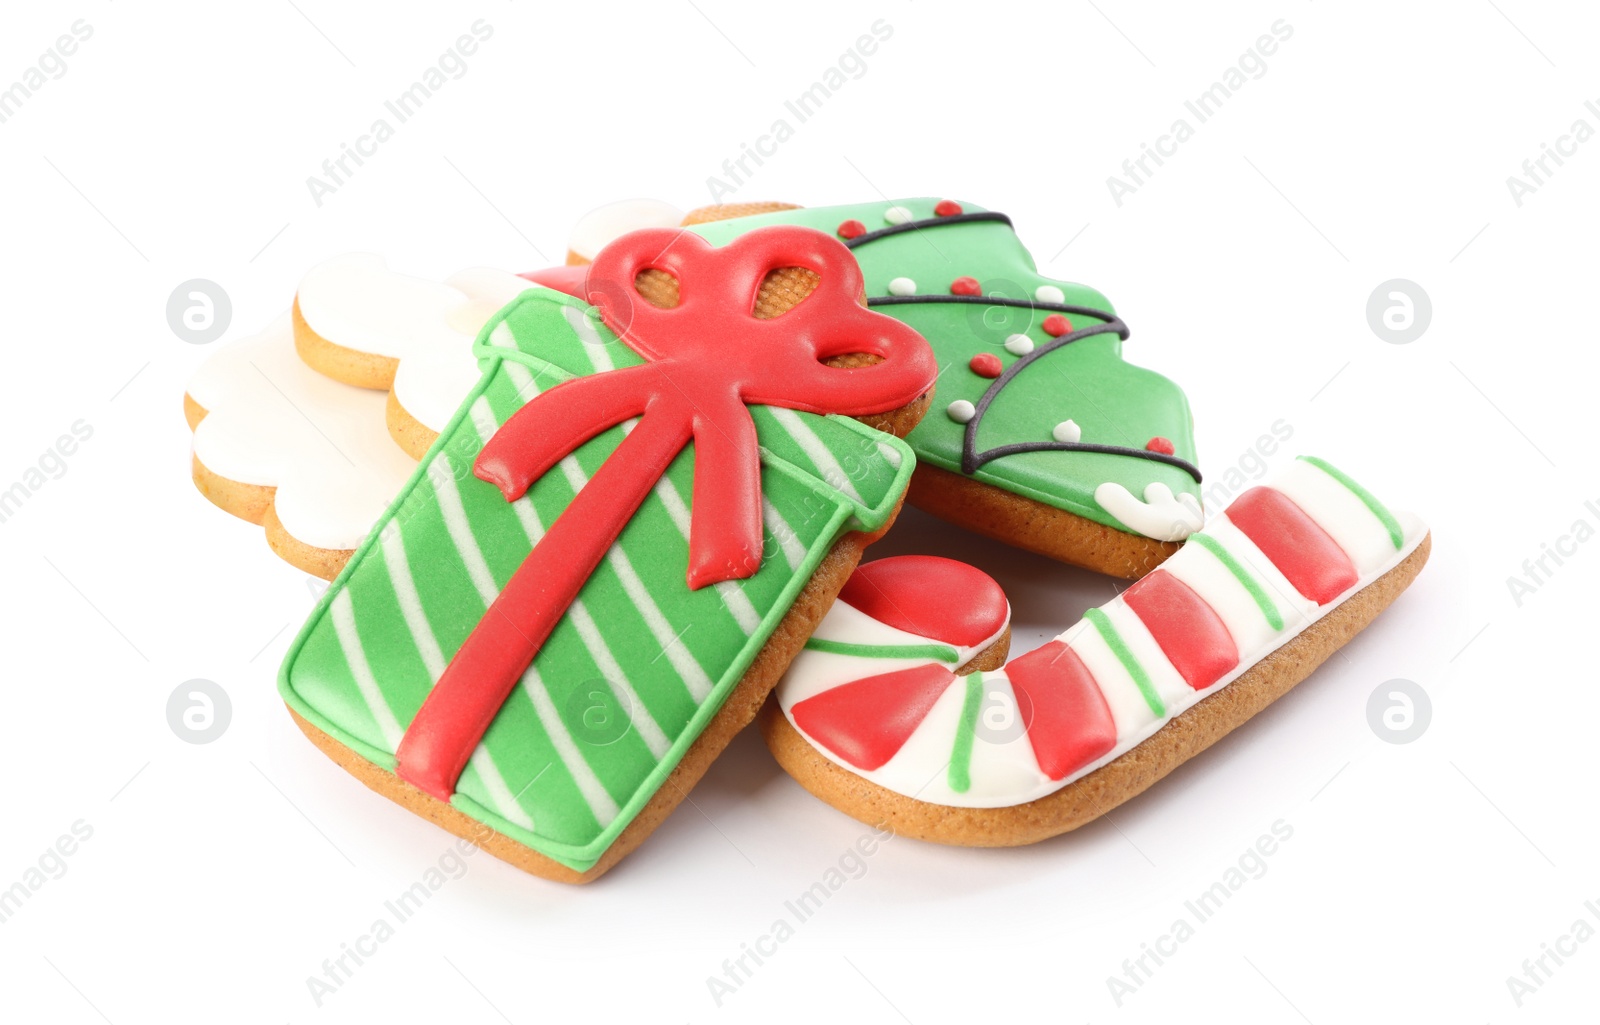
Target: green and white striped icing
640	664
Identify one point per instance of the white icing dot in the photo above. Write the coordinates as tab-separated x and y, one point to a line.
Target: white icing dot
1019	345
897	215
1068	431
902	286
1049	294
961	411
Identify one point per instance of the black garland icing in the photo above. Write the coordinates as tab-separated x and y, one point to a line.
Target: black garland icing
1080	446
971	458
931	222
994	300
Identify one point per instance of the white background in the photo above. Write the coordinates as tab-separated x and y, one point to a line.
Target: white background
1376	146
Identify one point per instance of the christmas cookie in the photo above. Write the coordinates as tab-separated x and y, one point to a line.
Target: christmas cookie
1040	434
570	609
278	444
874	719
602	226
359	322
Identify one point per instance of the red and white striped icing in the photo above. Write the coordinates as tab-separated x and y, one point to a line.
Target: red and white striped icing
1307	541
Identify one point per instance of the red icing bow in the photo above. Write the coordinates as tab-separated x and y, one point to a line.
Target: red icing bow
707	358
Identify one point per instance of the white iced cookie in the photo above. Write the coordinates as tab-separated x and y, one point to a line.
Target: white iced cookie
600	227
277	443
359	322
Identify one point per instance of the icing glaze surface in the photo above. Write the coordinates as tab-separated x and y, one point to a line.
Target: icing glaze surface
600	227
639	662
706	358
357	302
273	421
1224	602
1060	348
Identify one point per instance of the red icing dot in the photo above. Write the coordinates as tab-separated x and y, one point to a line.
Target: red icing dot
965	286
851	229
947	208
1056	325
986	364
1161	445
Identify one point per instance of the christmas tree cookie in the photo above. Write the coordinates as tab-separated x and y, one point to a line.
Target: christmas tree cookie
615	547
1040	434
875	718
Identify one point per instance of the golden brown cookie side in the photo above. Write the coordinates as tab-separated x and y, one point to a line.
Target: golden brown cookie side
254	503
247	501
326	563
1034	526
990	658
193	412
728	211
743	702
412	435
351	366
1125	777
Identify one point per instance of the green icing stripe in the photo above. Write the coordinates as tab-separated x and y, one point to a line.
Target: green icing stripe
1119	647
938	652
339	700
495	531
1370	500
591	644
628	633
854	461
1264	601
576	785
961	754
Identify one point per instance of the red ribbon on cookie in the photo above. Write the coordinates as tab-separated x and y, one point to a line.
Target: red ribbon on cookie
706	359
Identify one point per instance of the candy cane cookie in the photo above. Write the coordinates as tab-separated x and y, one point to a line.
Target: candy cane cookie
872	718
615	547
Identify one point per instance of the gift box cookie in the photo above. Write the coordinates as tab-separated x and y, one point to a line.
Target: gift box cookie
616	545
